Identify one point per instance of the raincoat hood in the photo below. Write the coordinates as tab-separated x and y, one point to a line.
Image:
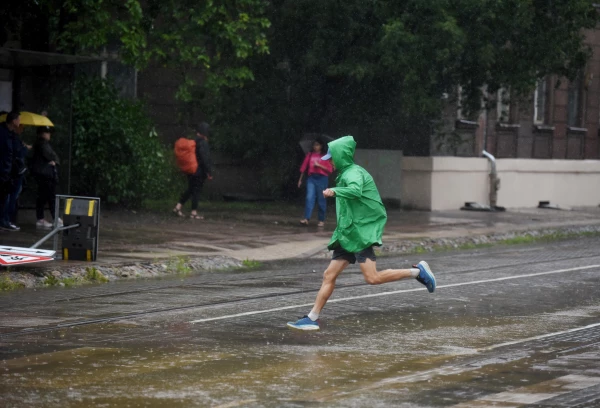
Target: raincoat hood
342	152
360	214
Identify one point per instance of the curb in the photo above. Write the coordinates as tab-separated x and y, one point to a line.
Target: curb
183	265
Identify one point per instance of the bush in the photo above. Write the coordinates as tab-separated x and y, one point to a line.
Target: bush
116	151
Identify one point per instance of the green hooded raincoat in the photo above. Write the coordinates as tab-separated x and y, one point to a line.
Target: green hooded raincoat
361	215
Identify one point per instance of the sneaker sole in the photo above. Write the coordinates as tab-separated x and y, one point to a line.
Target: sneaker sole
428	270
304	328
9	229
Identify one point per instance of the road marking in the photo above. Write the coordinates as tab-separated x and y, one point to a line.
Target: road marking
394	292
542	336
532	395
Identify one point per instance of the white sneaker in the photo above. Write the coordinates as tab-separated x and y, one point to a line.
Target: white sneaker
60	223
43	224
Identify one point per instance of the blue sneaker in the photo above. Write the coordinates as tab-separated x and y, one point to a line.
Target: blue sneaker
304	324
426	276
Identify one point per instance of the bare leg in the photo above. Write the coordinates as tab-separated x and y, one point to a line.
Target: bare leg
329	277
372	277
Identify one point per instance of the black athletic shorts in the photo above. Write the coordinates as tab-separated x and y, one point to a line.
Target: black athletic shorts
361	257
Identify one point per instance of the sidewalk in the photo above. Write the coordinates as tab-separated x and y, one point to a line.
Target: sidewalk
273	232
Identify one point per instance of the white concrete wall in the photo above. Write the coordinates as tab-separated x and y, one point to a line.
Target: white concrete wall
416	182
564	182
443	183
386	168
456	180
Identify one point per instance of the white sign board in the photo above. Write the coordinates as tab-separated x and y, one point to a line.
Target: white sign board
16	256
13	259
26	251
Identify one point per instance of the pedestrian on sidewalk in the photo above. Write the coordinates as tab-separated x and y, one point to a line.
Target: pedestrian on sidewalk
196	180
8	135
317	181
361	218
20	151
44	169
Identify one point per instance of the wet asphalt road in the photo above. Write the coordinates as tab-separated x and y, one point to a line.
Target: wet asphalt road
508	327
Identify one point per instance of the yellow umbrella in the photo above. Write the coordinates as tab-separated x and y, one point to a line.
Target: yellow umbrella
31	119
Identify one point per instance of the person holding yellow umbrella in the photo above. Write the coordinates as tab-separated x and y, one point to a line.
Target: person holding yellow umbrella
8	204
30	119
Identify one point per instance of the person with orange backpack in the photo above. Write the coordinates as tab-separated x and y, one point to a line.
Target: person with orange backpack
193	159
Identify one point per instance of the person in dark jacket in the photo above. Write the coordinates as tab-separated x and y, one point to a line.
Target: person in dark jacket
44	169
7	137
204	172
20	151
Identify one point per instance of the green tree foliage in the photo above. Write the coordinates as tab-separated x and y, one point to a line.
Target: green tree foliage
116	151
380	68
376	69
205	42
429	47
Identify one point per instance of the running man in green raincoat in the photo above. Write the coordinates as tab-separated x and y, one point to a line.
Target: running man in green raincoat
361	218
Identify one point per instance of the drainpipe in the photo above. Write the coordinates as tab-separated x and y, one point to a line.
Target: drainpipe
494	180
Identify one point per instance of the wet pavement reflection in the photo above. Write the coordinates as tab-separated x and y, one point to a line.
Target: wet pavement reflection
507	327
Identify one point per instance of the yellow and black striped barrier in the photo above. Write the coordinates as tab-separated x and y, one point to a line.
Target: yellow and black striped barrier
81	243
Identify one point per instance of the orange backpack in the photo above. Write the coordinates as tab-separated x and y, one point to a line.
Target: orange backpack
185	154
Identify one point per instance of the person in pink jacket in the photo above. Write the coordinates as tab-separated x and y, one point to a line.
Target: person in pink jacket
318	177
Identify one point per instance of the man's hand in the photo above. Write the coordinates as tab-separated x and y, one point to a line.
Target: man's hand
210	177
52	163
299	183
328	193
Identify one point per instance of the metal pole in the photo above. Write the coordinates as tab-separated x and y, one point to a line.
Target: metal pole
485	129
52	233
494	182
70	135
97	231
56	215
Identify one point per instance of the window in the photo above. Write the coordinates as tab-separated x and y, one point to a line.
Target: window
539	102
459	100
574	103
503	105
6	92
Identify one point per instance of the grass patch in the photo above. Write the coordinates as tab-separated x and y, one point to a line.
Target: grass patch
94	275
179	265
69	282
7	284
526	239
51	280
548	237
419	250
517	240
251	264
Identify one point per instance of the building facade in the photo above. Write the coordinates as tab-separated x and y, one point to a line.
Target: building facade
559	120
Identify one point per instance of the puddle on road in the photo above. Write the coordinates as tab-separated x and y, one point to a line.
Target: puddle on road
367	358
150	377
